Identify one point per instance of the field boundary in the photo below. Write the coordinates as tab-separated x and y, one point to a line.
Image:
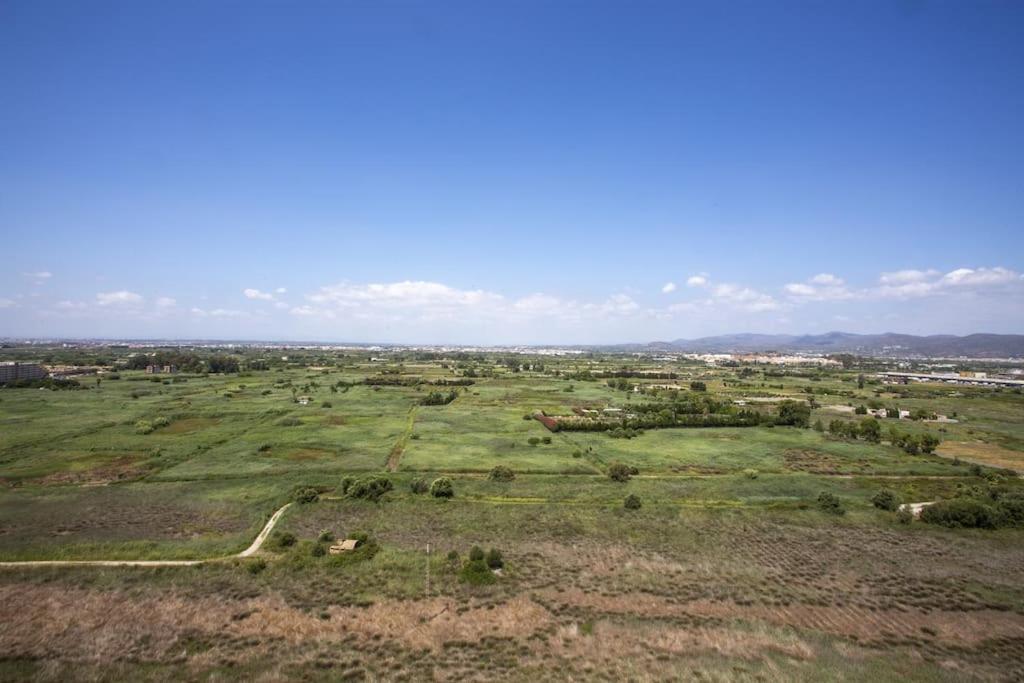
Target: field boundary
251	550
395	456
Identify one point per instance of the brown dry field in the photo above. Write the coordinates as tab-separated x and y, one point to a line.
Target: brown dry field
741	599
983	453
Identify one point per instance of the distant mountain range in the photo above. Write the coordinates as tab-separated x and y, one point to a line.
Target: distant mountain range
888	344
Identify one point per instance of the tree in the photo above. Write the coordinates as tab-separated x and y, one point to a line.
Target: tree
870	430
621	472
828	502
794	413
369	488
698	386
442	488
886	499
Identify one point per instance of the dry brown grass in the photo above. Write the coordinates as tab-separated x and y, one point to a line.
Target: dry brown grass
982	453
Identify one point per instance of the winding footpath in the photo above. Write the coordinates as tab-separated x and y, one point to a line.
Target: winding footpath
251	550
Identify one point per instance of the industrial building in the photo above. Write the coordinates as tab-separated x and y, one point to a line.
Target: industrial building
14	371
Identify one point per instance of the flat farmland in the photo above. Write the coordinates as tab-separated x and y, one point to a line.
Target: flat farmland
730	568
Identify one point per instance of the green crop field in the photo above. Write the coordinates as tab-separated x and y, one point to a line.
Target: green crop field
730	566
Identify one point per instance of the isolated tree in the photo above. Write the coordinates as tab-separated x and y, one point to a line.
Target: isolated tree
442	488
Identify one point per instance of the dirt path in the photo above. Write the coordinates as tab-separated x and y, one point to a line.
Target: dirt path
251	550
396	453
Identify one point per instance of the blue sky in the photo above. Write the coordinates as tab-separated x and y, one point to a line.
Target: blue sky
510	172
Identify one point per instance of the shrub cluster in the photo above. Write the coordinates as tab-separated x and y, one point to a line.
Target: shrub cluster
828	502
442	488
886	499
501	473
366	488
621	472
1006	510
632	502
479	567
307	494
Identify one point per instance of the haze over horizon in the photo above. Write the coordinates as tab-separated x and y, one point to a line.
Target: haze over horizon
527	173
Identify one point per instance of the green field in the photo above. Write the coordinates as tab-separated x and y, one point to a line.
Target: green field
729	569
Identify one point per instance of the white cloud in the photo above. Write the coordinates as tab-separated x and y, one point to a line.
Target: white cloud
918	283
744	298
406	294
799	289
668	288
980	276
39	276
538	303
697	280
257	294
166	302
219	313
281	290
7	303
119	298
901	277
821	287
827	279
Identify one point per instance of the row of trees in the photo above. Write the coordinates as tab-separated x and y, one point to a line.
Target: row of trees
436	398
870	430
185	361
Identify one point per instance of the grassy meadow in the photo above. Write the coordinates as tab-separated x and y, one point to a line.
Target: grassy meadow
728	570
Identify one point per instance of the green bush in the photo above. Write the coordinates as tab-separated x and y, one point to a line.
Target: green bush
307	494
501	473
442	488
750	473
476	553
620	472
904	516
318	550
289	422
632	502
256	566
346	483
476	572
144	427
325	536
886	499
419	485
828	502
283	539
545	440
1011	508
961	513
369	488
533	441
494	559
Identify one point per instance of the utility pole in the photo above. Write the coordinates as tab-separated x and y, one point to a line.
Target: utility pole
428	570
